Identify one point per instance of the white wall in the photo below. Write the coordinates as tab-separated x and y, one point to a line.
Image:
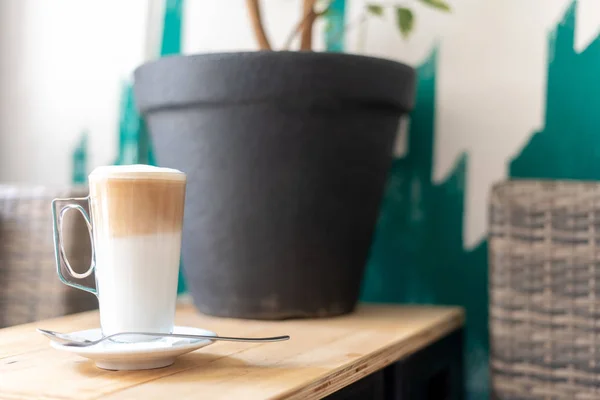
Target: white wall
61	66
62	62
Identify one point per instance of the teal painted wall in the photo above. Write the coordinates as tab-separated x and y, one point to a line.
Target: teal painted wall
568	146
418	254
79	171
336	21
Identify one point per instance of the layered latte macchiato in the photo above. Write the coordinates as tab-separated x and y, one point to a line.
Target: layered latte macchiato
137	215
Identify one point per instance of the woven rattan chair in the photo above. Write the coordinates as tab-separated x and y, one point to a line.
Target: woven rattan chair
544	258
29	287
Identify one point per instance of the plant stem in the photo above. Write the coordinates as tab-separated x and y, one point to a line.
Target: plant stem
311	16
292	35
253	7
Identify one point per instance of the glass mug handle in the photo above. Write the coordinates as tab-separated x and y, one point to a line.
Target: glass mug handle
59	249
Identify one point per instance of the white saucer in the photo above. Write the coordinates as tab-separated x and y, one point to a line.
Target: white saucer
156	353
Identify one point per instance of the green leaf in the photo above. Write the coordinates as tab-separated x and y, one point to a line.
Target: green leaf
405	20
439	4
375	9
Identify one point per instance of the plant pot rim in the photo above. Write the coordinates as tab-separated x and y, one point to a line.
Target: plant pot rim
300	78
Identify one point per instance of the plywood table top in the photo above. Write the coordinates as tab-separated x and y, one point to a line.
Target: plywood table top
323	356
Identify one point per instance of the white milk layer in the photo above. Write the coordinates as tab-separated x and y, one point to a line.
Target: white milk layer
137	282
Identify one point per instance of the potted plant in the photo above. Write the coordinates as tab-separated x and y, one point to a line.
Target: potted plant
287	154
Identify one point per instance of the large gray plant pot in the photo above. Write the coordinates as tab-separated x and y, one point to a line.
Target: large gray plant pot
287	156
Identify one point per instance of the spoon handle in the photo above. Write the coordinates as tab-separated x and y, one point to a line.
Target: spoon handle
210	337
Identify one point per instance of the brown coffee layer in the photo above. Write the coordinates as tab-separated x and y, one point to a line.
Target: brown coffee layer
130	207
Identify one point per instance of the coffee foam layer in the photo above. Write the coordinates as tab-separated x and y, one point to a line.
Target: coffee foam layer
136	171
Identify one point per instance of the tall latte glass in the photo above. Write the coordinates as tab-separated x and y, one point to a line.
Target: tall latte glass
135	230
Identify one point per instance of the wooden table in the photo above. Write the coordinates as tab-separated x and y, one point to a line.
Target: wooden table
393	351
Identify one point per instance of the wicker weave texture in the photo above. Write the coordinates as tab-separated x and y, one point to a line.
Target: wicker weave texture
30	289
544	290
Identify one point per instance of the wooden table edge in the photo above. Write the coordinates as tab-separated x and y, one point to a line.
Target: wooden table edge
363	366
